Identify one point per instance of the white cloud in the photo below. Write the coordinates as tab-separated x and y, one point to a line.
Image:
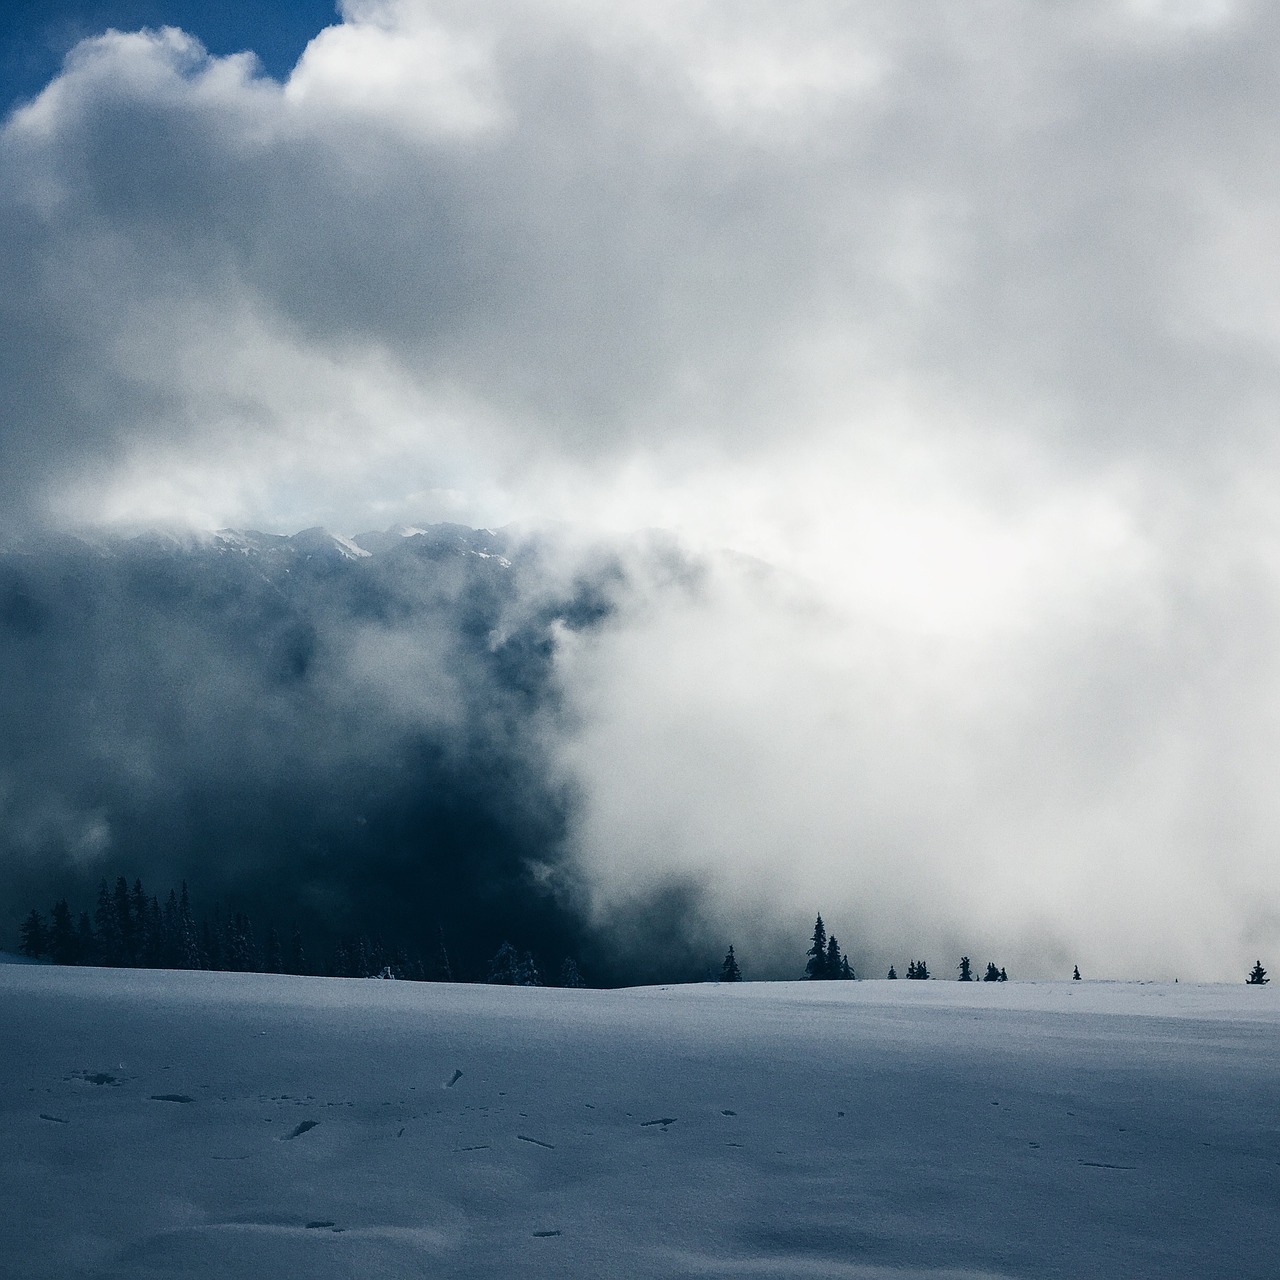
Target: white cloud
967	318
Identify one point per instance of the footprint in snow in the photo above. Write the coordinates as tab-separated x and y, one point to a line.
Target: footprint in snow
171	1097
305	1127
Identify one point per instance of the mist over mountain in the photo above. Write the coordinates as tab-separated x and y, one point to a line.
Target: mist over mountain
349	734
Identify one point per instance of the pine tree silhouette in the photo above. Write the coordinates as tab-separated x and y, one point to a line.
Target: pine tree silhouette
106	920
153	945
569	975
62	934
817	966
138	919
527	974
992	974
832	967
1075	973
1257	976
194	954
729	971
124	921
505	966
1004	977
86	943
893	973
33	941
966	974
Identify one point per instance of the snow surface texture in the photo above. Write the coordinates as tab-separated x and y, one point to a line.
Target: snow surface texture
195	1124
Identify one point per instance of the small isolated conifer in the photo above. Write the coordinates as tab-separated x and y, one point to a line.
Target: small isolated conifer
966	972
1075	973
569	975
893	973
1004	977
992	974
729	971
846	969
1257	976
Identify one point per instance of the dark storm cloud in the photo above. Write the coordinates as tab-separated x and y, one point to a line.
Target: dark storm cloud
350	745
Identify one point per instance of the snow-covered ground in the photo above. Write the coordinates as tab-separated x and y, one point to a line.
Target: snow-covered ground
202	1125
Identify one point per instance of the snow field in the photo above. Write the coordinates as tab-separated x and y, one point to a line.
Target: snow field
227	1125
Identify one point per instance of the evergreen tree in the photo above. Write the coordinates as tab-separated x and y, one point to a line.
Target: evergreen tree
106	921
966	974
124	921
832	967
211	940
34	941
445	964
1257	975
139	916
171	934
62	934
273	958
817	966
569	975
153	948
238	951
527	974
893	973
1075	973
191	954
919	970
505	966
86	944
846	969
992	974
729	971
297	957
1004	977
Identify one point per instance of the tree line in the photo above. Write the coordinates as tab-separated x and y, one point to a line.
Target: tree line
825	961
130	928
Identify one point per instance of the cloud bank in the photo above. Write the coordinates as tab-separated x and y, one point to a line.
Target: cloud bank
964	322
